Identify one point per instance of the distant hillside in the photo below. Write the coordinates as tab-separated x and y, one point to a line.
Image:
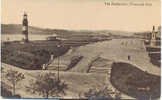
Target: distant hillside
17	29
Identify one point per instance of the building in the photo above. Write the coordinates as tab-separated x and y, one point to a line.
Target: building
52	38
155	36
25	27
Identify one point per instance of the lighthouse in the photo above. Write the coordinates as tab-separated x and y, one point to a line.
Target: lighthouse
25	27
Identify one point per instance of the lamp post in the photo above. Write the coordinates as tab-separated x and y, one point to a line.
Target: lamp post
58	62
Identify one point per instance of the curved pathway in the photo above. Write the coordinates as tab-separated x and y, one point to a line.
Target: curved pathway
116	50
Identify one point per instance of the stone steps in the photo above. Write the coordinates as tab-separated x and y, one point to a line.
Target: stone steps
100	70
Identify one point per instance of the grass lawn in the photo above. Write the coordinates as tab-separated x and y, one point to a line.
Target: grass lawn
31	55
134	82
78	83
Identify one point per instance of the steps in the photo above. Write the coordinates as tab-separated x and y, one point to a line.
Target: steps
101	66
100	70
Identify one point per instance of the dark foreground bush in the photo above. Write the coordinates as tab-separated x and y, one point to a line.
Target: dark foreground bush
5	93
8	94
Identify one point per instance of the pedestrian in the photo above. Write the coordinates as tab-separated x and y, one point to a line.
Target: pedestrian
44	66
129	57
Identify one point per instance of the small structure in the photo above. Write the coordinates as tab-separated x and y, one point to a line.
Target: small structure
155	34
52	38
153	37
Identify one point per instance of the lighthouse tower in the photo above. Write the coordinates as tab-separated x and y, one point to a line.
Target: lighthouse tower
25	27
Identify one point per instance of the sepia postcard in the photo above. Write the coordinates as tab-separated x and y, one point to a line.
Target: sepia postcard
81	49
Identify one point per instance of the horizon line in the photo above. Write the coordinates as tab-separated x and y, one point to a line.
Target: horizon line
81	29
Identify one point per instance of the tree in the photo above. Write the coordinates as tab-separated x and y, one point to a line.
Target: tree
47	85
14	77
99	93
102	92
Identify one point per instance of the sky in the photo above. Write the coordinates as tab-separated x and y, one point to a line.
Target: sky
82	14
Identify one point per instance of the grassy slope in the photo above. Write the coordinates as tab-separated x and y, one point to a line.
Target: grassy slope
30	55
129	80
17	29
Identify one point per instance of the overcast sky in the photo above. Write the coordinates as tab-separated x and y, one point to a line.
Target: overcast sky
81	14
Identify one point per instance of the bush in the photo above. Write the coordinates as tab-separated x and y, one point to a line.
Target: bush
74	61
5	93
47	85
103	92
